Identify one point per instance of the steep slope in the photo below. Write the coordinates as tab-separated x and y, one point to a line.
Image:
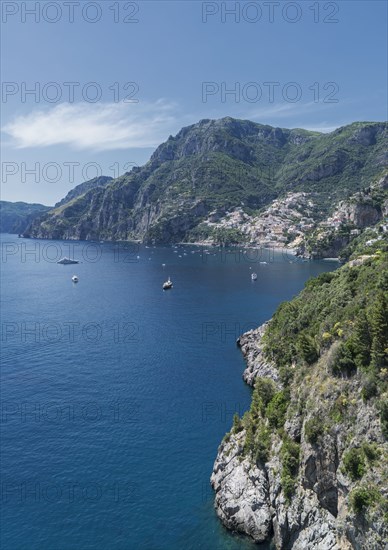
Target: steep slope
82	188
219	165
308	464
16	216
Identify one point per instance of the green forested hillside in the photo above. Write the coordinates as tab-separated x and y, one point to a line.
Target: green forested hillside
330	346
221	164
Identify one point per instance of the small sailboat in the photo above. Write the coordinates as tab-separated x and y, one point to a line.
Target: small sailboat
74	279
254	276
167	285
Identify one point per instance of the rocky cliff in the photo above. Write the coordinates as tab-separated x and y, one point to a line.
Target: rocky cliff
348	219
307	465
218	165
15	217
82	188
252	349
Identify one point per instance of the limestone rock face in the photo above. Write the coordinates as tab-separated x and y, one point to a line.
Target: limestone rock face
249	495
242	498
252	350
363	215
214	165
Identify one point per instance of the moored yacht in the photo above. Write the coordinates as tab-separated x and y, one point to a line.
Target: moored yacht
168	284
67	261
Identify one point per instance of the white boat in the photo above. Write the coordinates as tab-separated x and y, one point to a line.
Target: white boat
168	284
74	279
67	261
254	276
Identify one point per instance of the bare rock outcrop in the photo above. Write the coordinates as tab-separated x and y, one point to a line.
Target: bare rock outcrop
251	345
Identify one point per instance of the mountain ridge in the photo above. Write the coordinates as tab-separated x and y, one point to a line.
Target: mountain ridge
219	164
16	216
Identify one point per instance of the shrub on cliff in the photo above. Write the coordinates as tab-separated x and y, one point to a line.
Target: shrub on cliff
290	465
263	393
237	424
313	429
363	497
354	463
277	408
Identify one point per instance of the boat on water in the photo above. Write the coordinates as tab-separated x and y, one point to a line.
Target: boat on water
67	261
74	279
254	276
167	285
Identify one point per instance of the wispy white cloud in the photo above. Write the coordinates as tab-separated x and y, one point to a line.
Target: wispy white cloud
114	126
95	126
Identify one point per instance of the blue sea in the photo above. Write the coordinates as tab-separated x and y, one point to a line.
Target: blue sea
116	394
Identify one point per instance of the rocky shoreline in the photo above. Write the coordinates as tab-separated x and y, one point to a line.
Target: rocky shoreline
249	495
251	347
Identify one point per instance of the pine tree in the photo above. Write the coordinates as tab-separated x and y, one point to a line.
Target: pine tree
249	438
346	364
362	341
378	316
307	348
257	404
236	423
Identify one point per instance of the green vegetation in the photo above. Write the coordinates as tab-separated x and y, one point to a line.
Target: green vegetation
354	463
332	340
220	235
383	408
267	413
313	429
224	164
371	451
346	310
290	464
357	459
363	497
237	424
277	408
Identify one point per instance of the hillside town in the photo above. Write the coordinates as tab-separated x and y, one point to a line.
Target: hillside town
296	222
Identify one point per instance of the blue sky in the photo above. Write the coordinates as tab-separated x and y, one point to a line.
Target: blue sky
158	66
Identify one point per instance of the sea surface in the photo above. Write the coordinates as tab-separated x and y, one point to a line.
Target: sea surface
116	394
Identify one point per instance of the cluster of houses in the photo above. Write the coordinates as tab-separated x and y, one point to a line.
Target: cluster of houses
287	221
284	221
